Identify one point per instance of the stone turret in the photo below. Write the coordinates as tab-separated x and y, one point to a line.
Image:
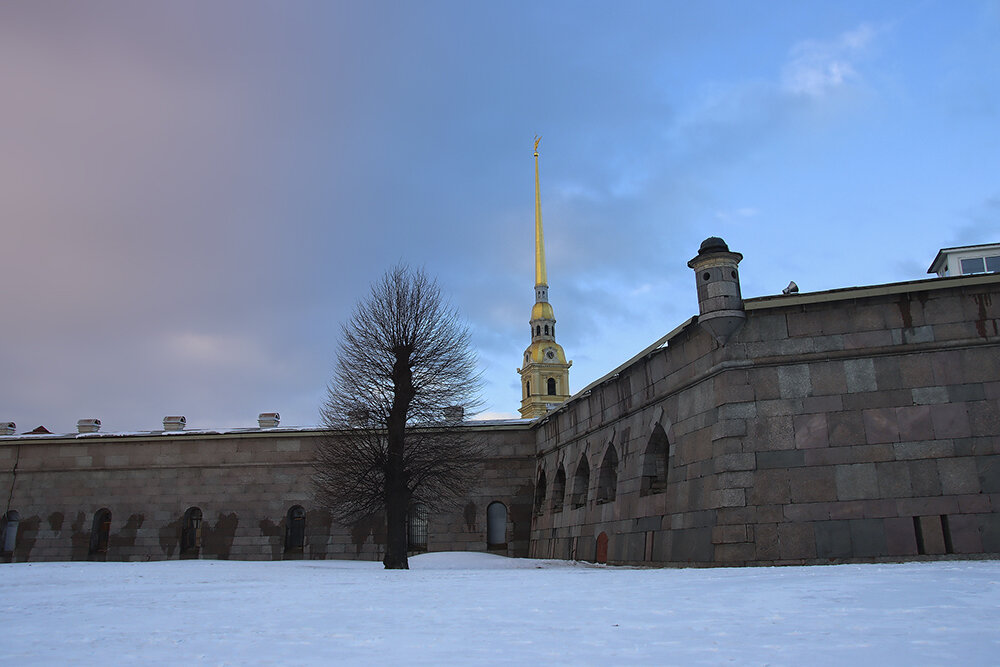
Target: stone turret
719	300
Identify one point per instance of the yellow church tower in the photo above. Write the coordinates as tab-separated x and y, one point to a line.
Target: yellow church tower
545	374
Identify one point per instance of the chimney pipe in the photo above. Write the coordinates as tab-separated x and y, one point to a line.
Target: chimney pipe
8	428
268	419
88	425
174	423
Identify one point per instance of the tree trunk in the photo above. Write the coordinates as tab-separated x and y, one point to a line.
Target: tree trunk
396	533
397	491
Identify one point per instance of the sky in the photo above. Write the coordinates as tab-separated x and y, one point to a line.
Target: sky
193	196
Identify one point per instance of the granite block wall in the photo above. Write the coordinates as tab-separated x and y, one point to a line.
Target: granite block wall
855	425
244	483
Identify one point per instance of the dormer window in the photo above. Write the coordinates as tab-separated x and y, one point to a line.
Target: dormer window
988	264
967	260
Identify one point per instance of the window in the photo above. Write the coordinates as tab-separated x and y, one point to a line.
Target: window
607	483
581	483
546	329
416	532
191	532
538	330
552	386
295	529
8	531
558	490
527	388
496	526
654	463
990	264
540	492
100	532
973	265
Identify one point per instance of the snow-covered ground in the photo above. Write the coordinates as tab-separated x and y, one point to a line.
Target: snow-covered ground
480	609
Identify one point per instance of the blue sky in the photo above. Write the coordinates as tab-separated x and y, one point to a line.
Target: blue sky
193	195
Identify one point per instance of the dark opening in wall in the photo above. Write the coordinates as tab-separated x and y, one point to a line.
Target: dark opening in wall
655	463
607	482
191	532
581	484
416	533
540	492
8	531
496	526
295	529
100	532
558	490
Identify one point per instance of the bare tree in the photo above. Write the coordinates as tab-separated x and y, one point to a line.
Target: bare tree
405	375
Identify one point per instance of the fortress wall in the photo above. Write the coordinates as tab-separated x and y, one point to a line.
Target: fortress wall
244	483
827	429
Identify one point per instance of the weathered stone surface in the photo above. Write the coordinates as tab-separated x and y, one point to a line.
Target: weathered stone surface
811	431
958	476
796	541
894	479
794	381
931	534
857	481
860	375
900	538
964	534
846	428
812	485
950	421
783	459
868	538
881	425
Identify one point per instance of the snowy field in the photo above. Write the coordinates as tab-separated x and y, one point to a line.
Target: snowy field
486	610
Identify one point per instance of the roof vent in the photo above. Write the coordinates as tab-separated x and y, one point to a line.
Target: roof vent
7	428
174	423
88	425
268	419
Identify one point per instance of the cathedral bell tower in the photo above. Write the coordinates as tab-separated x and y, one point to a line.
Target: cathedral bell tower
545	373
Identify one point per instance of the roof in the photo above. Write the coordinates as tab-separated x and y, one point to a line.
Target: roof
848	293
37	435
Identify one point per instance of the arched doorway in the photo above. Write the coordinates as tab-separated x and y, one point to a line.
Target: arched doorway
496	526
191	533
601	555
8	531
100	532
295	529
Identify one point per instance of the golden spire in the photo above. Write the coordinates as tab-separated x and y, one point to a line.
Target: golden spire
540	278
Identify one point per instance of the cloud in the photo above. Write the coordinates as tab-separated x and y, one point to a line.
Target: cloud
818	68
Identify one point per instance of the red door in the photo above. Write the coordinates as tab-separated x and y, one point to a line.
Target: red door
602	548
